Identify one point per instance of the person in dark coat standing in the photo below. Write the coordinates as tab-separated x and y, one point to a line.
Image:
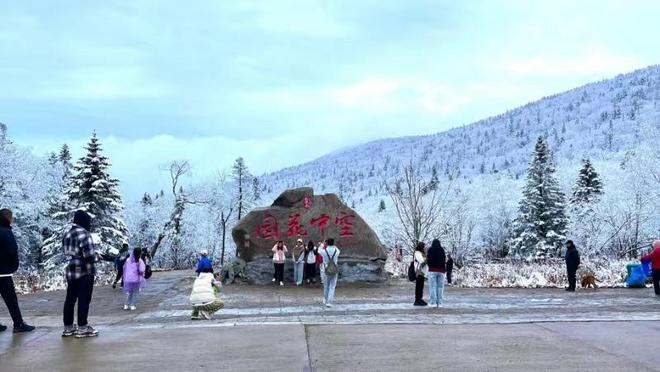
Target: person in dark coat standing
79	246
572	264
450	268
437	268
8	266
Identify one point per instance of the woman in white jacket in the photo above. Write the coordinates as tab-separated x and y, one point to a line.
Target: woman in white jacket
421	269
203	300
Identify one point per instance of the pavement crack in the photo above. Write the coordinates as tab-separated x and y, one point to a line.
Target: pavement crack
309	353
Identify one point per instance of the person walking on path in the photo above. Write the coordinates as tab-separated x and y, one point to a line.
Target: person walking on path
436	272
202	298
572	264
450	268
421	268
298	255
120	260
204	262
279	258
8	265
654	257
134	269
310	263
78	245
330	254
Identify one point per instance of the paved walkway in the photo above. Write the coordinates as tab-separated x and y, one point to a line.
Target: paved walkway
593	346
373	327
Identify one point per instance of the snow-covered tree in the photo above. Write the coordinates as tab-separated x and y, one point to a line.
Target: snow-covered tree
588	186
541	226
93	189
242	179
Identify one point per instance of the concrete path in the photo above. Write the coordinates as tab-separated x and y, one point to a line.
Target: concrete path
373	327
594	346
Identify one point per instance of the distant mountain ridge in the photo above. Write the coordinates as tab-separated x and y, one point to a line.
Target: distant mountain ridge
597	120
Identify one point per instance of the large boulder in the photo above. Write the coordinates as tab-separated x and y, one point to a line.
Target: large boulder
300	214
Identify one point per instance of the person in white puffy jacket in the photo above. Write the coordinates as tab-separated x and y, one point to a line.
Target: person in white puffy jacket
203	300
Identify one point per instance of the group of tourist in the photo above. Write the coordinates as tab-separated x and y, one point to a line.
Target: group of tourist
309	262
78	245
431	265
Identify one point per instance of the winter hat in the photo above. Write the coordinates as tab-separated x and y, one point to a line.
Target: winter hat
204	252
83	219
656	244
300	240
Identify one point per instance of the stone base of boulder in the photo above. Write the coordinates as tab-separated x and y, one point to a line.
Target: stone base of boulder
350	271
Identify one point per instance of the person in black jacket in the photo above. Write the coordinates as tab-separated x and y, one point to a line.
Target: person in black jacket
437	267
572	264
450	268
8	266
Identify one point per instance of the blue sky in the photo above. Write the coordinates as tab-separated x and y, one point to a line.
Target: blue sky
283	82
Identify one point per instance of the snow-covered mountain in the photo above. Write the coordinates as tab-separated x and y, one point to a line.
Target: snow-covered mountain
603	121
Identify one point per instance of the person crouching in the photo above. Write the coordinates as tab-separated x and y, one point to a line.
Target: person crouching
203	300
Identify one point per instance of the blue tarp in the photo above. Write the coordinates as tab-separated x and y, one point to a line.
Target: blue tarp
637	277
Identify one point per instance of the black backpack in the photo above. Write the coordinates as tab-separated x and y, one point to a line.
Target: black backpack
412	273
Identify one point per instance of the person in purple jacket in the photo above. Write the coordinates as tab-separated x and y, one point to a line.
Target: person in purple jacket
134	269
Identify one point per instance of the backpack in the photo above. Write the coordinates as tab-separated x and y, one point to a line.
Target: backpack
331	267
412	273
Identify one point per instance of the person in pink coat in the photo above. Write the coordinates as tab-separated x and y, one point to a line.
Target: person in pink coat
134	269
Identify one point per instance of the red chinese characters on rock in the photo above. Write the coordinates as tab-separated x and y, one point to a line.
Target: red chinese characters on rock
269	228
345	224
307	202
295	228
321	222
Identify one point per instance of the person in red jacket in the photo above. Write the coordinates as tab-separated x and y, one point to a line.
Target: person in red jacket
654	257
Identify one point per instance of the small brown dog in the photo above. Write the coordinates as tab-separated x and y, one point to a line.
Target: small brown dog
589	281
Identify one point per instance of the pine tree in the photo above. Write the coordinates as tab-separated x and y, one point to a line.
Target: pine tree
242	178
256	189
540	229
381	206
89	187
93	190
59	212
586	193
588	187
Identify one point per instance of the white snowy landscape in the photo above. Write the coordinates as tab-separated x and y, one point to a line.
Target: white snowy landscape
480	171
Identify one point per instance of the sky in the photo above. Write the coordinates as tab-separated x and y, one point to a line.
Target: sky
284	82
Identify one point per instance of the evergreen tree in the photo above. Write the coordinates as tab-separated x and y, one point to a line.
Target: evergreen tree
540	229
256	189
59	212
586	194
88	187
242	178
381	206
588	187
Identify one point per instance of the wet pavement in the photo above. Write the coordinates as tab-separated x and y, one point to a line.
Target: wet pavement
274	328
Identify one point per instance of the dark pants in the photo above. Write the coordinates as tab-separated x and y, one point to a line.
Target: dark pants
419	288
279	272
120	273
310	271
8	293
572	278
656	281
449	276
78	290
